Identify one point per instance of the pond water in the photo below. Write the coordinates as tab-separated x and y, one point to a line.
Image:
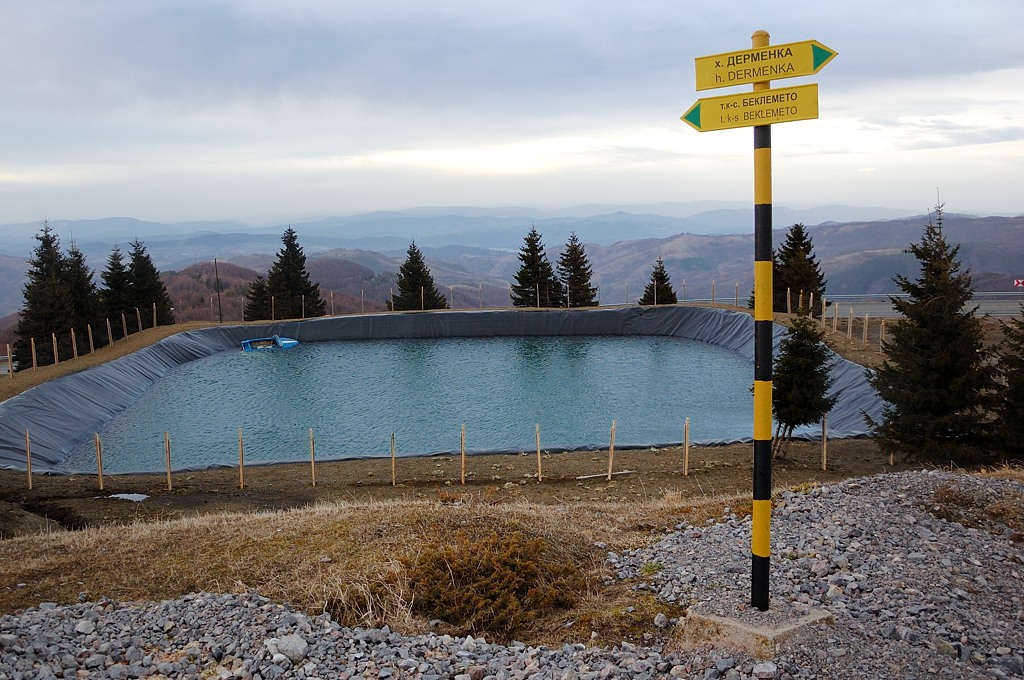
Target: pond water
355	394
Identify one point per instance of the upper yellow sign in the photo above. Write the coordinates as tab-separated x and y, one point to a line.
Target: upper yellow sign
762	64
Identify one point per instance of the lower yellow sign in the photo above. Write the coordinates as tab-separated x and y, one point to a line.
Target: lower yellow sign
766	107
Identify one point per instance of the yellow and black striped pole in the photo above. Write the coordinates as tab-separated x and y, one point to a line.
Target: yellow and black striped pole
760	544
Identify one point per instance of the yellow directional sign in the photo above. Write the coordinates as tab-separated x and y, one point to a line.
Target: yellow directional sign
746	109
762	63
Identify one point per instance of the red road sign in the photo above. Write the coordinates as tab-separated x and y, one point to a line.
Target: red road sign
1019	283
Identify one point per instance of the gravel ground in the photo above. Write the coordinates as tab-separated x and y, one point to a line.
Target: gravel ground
911	596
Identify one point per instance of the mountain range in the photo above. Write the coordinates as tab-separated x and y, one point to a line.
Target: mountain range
472	252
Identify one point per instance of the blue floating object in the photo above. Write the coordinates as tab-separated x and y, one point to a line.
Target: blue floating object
268	344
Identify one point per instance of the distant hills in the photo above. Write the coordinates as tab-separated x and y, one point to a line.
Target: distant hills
472	251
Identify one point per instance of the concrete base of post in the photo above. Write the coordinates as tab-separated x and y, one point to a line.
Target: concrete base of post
761	634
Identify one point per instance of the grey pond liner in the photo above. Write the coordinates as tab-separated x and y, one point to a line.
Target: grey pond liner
63	412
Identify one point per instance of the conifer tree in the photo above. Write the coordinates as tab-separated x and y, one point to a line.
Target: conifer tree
536	284
294	295
658	290
937	379
575	274
257	301
796	270
1010	408
801	380
146	289
416	289
115	295
48	307
85	298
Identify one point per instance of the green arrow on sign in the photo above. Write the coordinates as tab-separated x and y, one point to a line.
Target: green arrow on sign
693	115
821	55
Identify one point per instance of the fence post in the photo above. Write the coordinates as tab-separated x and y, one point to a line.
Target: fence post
789	301
92	345
686	448
611	452
28	458
393	482
10	362
824	306
312	456
835	316
849	325
712	291
167	456
74	345
462	451
824	442
241	460
99	459
110	334
35	363
138	318
540	471
881	337
865	340
124	326
56	355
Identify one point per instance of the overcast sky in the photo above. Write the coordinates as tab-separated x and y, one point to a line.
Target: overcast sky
217	109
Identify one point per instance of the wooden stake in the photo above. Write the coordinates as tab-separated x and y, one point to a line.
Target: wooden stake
835	317
686	448
865	339
789	301
824	306
35	362
56	355
138	318
540	472
99	460
74	345
712	291
124	326
312	456
881	336
28	458
393	481
462	451
241	460
167	456
824	442
10	362
92	345
110	334
810	303
611	447
849	325
154	313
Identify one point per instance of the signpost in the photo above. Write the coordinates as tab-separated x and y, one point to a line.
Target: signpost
762	64
747	108
760	109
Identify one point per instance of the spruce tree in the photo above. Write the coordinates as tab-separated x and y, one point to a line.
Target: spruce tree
575	274
536	284
294	295
1010	408
937	379
49	308
257	301
146	289
416	289
801	380
658	290
115	294
796	270
85	298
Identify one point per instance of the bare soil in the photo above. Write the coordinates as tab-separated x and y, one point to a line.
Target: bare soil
76	501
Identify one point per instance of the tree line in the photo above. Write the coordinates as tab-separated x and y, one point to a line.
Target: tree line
62	297
950	396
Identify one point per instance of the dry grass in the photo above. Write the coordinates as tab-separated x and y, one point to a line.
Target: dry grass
351	559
